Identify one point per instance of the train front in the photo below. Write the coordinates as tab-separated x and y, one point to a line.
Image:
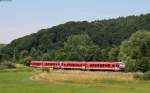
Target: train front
121	66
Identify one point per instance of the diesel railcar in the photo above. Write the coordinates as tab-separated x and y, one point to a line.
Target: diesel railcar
109	66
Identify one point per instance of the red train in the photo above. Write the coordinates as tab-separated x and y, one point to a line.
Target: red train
109	66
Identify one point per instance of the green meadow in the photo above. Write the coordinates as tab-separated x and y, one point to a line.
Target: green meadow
71	82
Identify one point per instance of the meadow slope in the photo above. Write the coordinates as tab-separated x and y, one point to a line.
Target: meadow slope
71	82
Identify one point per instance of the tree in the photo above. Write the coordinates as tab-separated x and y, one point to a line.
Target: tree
113	54
24	54
82	46
27	60
2	46
78	42
135	52
104	33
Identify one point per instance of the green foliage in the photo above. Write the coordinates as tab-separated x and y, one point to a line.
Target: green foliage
45	69
78	42
104	33
26	61
138	76
7	65
142	76
146	75
2	46
3	67
24	54
1	54
113	54
80	47
136	52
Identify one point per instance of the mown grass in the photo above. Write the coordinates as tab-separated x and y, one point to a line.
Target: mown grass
71	82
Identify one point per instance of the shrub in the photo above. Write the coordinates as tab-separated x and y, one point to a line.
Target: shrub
3	67
146	76
8	64
26	61
142	76
45	69
138	76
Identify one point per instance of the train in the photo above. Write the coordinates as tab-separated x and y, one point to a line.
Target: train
76	65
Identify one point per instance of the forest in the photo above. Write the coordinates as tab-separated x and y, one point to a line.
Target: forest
100	40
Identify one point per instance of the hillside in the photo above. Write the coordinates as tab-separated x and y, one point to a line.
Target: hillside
104	33
2	46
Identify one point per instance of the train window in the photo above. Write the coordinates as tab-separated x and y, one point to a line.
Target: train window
102	65
117	65
113	65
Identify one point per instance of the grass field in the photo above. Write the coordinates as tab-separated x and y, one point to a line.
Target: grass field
71	82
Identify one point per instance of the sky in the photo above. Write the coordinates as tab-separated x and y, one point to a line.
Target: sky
23	17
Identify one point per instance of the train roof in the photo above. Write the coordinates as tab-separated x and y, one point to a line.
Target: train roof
90	62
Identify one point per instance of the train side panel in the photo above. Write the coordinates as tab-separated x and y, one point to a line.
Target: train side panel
113	66
73	65
100	66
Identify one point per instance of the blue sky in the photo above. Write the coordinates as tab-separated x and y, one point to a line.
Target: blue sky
22	17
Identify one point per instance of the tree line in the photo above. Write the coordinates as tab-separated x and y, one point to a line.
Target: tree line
100	40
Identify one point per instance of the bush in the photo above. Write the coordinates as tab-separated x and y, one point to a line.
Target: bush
138	76
7	64
146	76
142	76
3	67
26	61
45	69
